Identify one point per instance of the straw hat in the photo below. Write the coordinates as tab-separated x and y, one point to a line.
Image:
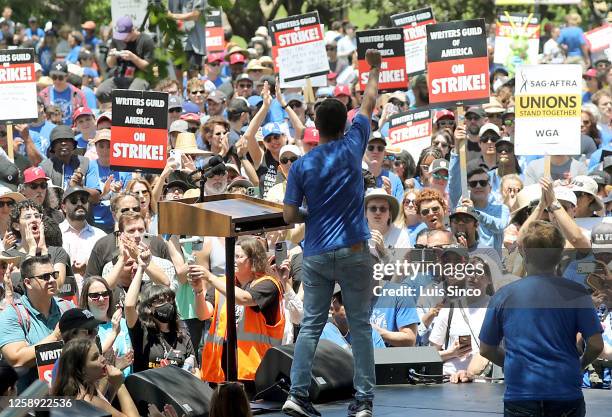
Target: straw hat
525	197
186	143
380	193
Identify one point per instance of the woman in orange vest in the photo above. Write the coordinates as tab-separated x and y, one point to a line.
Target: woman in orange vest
260	319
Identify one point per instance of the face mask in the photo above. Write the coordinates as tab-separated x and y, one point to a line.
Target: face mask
164	313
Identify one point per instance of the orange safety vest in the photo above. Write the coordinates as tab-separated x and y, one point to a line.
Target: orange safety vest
254	336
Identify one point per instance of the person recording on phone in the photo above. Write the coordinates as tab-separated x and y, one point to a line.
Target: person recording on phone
130	52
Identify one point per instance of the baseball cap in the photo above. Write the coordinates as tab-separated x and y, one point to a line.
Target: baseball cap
189	107
180	179
607	162
238	105
464	210
179	126
102	134
214	166
32	19
290	149
342	90
377	136
33	174
600	177
294	97
504	140
191	117
438	165
104	116
77	189
565	194
489	127
239	182
271	128
123	28
9	175
591	72
444	113
243	76
77	318
477	110
237	59
215	57
175	102
254	101
61	132
311	135
325	92
59	68
601	238
81	111
217	96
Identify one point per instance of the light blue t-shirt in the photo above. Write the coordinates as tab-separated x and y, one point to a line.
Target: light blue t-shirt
122	344
332	333
573	37
64	101
102	216
44	132
397	188
91	179
329	178
392	313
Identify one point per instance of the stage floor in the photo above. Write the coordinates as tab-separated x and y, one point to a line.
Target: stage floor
449	400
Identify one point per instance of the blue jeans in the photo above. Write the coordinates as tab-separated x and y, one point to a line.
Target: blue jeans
573	408
352	269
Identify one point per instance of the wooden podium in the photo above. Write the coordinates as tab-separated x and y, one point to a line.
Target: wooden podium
228	216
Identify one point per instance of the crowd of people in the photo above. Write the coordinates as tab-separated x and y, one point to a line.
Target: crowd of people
84	262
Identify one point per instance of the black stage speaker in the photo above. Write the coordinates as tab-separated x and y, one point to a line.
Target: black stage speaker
170	385
331	379
393	364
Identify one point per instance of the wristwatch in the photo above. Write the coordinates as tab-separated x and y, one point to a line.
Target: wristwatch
554	206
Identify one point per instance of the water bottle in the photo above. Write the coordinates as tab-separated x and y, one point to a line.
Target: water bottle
189	363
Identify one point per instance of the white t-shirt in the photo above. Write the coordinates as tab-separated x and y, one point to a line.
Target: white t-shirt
552	52
459	327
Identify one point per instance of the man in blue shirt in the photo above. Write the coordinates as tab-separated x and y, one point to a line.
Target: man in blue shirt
374	156
34	33
40	130
557	311
34	318
329	179
394	317
493	217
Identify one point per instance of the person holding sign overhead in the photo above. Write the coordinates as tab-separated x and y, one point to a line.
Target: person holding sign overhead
329	179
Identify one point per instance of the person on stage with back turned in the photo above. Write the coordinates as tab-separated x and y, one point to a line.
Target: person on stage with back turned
330	181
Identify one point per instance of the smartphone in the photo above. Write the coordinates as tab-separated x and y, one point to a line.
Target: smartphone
176	156
280	253
465	341
253	192
597	283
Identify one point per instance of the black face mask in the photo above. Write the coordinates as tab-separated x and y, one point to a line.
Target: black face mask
164	313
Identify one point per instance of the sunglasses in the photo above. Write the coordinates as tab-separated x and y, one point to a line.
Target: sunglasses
47	276
330	48
515	190
446	122
225	132
291	159
472	118
35	186
491	139
76	199
377	148
214	64
420	246
133	209
58	77
381	209
440	144
438	176
503	149
244	85
98	295
462	219
7	204
176	110
194	92
481	183
192	129
409	201
269	138
398	163
508	122
389	157
433	210
581	194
